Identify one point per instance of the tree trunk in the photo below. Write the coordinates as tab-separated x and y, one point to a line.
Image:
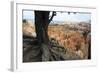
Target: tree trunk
41	25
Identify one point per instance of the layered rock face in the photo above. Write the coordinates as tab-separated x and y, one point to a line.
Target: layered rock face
75	38
28	29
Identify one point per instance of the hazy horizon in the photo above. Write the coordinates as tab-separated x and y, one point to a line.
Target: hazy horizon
61	17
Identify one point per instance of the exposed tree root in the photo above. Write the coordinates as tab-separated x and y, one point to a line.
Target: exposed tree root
52	52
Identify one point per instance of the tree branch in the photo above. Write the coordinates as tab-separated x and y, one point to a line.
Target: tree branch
53	14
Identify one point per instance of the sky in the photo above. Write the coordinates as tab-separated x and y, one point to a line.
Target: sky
61	16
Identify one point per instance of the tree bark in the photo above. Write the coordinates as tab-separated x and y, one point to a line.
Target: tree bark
41	25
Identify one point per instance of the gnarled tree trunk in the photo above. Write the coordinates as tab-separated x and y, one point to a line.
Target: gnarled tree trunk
41	25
